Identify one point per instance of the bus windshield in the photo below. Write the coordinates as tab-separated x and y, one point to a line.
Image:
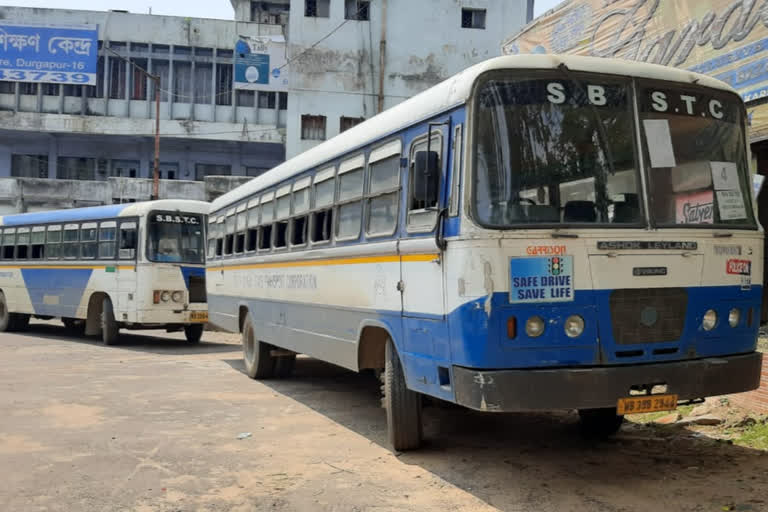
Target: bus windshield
696	156
555	150
175	237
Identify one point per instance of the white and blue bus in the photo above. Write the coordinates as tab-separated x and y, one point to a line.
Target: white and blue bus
537	232
103	268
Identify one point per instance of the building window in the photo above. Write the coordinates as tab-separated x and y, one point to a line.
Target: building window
203	52
139	47
345	123
96	91
203	170
283	98
473	18
268	13
245	99
161	68
317	8
182	80
255	171
125	168
50	89
357	10
161	48
223	83
117	78
76	168
203	83
27	88
73	90
6	87
313	127
182	50
138	80
29	166
266	99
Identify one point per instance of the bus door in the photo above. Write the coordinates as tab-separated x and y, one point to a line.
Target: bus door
127	271
421	269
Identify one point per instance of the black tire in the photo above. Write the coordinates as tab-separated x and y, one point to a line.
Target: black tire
599	423
403	405
259	363
74	325
284	366
110	331
193	333
6	324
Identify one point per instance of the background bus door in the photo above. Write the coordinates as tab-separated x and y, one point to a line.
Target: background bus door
426	342
128	302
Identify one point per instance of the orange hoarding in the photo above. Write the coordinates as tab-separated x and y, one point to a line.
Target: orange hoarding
726	39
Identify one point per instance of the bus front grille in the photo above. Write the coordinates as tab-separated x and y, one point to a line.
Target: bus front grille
197	289
648	315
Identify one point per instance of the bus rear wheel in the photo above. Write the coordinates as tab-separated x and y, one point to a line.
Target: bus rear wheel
74	325
403	405
599	423
110	331
193	333
259	362
11	321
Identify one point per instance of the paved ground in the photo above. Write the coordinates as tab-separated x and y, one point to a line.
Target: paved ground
153	425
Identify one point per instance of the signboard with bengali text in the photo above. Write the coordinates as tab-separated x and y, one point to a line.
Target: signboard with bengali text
48	53
260	64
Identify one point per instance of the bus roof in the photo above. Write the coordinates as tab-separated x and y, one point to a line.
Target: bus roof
104	212
445	95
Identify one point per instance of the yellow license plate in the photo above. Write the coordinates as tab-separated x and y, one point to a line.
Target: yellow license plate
198	316
641	404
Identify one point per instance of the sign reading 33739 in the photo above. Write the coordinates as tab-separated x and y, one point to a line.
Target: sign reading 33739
48	54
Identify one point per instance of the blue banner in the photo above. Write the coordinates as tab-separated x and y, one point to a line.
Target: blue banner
260	63
50	54
541	279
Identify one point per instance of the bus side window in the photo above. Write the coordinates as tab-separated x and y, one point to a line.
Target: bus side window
9	243
350	198
22	244
89	246
71	246
383	196
424	184
252	236
300	209
107	237
240	233
282	212
128	241
321	221
265	231
38	243
220	232
53	243
229	238
213	233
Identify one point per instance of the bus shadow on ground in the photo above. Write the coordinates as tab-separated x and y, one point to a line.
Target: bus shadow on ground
130	340
538	461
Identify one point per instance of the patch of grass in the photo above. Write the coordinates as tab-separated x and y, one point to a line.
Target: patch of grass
650	417
755	436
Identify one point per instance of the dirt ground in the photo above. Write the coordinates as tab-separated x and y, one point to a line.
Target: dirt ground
154	425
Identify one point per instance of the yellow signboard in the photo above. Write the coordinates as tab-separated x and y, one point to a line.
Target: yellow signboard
727	39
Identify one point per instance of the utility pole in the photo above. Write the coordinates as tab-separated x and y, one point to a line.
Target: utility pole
156	80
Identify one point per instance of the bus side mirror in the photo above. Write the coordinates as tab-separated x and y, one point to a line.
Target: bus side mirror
426	177
128	240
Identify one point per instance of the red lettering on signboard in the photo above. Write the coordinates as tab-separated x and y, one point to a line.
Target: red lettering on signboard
545	250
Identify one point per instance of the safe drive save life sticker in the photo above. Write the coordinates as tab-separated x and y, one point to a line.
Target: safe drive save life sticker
541	279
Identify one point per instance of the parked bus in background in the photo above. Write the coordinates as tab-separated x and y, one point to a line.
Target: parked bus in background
103	268
537	232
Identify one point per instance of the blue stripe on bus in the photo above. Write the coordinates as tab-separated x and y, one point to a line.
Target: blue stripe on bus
469	337
71	215
187	272
56	292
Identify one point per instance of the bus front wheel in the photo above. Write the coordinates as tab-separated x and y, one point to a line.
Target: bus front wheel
11	321
403	405
110	331
259	362
599	423
193	333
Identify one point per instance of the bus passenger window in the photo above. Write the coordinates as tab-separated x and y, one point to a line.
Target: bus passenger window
128	241
322	218
229	238
240	235
107	237
283	210
384	199
71	247
321	226
281	233
38	243
212	234
22	244
53	243
348	226
299	231
6	244
424	184
252	236
265	237
88	239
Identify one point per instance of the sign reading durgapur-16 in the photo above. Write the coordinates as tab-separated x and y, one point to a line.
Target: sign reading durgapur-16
49	54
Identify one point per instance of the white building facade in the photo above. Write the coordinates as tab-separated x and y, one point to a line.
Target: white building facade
333	63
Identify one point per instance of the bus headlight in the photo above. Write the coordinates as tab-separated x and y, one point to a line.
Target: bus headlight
710	320
165	296
734	316
574	326
177	296
534	327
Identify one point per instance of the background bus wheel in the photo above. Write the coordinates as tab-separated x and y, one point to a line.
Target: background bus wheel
259	363
109	328
11	321
193	333
403	405
284	366
599	423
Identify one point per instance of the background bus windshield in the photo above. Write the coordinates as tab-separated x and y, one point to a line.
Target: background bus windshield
175	237
554	150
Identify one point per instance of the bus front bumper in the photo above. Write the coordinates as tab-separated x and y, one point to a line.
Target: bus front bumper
598	387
